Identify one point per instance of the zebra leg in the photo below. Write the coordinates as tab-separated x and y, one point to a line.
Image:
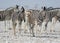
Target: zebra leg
32	29
46	26
14	27
20	23
24	20
5	25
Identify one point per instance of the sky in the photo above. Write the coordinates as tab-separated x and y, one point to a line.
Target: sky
30	4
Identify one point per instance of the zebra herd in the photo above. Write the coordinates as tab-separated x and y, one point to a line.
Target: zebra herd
30	17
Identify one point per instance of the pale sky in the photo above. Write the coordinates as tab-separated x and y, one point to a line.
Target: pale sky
29	3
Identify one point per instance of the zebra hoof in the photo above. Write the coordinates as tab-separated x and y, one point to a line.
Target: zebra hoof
33	35
19	29
10	28
25	31
53	30
50	30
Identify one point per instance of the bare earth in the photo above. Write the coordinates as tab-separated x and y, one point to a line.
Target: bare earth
6	35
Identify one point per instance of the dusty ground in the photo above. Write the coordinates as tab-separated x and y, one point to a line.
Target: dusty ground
6	35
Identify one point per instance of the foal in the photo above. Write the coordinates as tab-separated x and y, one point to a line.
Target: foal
31	22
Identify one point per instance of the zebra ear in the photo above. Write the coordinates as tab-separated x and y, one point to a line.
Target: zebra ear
17	6
22	8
